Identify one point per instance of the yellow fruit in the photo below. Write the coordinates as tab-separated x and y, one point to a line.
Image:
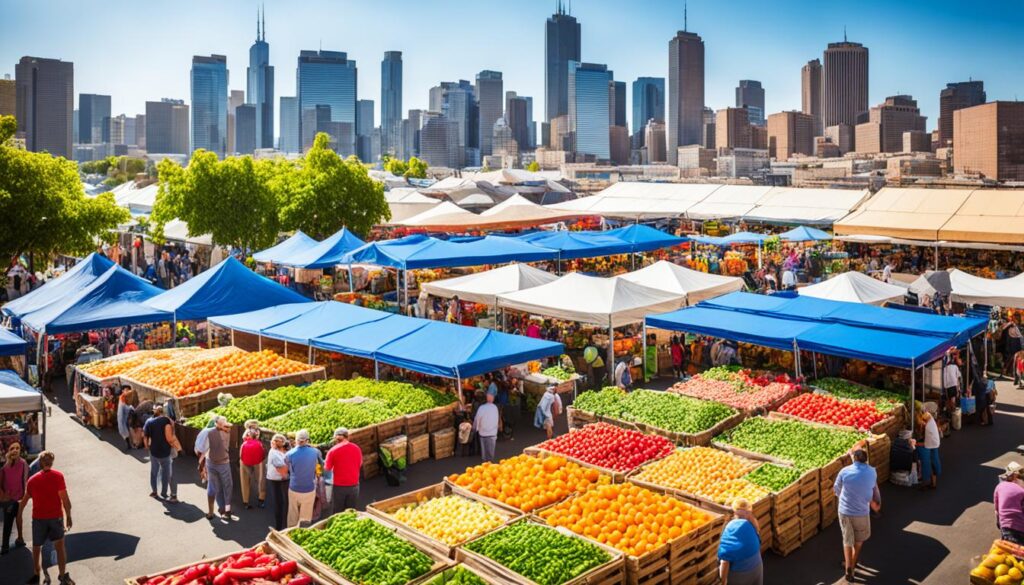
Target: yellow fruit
1001	570
993	560
702	471
984	572
1005	580
450	519
1015	574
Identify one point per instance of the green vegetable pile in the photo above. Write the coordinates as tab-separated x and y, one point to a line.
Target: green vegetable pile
540	553
558	373
721	373
773	477
840	388
457	576
664	410
363	551
322	418
805	445
400	397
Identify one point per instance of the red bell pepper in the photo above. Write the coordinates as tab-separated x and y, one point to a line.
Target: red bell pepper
301	580
248	573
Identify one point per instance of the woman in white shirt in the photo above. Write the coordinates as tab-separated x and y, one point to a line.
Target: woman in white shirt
277	480
928	451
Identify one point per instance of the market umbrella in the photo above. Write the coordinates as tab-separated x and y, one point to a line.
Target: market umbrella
804	234
931	282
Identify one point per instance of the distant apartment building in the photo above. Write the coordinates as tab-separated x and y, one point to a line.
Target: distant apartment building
167	123
288	142
842	135
917	141
618	144
742	163
695	158
790	133
654	141
883	132
732	129
45	90
750	95
810	93
93	118
956	96
988	140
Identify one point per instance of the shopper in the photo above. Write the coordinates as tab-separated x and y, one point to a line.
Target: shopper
218	469
250	465
13	477
124	412
159	437
928	451
1009	503
51	515
487	423
676	349
903	455
856	488
952	381
254	425
544	417
277	480
344	461
739	551
302	463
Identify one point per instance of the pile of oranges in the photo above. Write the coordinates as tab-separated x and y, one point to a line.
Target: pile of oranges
627	517
118	366
702	471
528	483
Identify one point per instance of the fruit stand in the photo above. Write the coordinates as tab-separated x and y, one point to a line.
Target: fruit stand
749	391
258	563
1002	565
607	448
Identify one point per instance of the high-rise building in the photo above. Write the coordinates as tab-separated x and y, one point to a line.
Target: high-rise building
707	135
588	109
45	99
411	127
391	101
561	45
328	78
490	98
531	125
618	144
732	129
246	118
439	143
74	124
883	132
517	120
260	77
844	84
364	130
289	141
964	94
117	129
93	118
654	140
8	93
810	93
140	131
210	103
131	137
750	95
436	101
843	136
685	92
167	127
648	104
790	133
458	104
616	102
503	142
988	140
235	98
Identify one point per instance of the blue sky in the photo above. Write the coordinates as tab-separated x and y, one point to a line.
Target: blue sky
141	50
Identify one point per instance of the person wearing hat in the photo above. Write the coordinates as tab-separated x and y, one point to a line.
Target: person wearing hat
903	455
739	550
1009	503
218	468
344	461
302	461
928	451
856	490
158	435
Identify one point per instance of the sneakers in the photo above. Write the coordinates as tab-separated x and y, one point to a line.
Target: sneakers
65	579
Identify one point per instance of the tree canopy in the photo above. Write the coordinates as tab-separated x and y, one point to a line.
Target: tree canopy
43	206
533	167
414	168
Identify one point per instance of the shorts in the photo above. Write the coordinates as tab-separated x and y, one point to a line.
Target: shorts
549	423
50	529
856	529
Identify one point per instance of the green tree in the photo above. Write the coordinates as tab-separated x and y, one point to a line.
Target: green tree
533	167
234	200
325	193
395	166
417	169
43	207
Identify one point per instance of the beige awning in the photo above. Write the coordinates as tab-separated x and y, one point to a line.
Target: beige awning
988	215
915	213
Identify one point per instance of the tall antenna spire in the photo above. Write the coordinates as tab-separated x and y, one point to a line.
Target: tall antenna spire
257	24
685	17
844	33
264	33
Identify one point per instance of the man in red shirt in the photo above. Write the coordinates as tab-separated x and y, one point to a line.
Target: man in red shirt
51	512
344	460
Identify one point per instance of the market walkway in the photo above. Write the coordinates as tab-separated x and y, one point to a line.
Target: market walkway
120	532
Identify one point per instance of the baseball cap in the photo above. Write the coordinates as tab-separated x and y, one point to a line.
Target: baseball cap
1011	468
341	432
302	435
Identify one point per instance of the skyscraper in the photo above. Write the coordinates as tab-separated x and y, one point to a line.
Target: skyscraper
732	129
790	133
289	123
883	132
517	118
364	130
260	77
245	128
810	93
588	109
210	103
391	101
964	94
750	95
93	118
411	127
561	45
329	78
685	92
235	98
167	127
648	104
439	143
490	98
45	99
988	140
458	104
616	101
8	92
844	84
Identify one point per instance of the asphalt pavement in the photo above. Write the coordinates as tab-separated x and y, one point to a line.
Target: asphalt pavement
119	531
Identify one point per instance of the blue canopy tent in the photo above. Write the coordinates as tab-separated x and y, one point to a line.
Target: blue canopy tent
366	339
11	344
571	245
881	347
79	277
228	287
418	251
327	253
17	396
323	319
255	321
804	234
773	332
296	245
644	238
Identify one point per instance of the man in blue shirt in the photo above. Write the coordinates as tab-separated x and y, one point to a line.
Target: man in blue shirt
857	490
302	463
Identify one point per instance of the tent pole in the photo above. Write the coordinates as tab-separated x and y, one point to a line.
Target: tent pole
259	339
458	386
814	356
209	334
351	286
796	359
174	330
42	414
968	383
913	397
310	354
376	370
611	352
232	337
644	348
936	255
285	348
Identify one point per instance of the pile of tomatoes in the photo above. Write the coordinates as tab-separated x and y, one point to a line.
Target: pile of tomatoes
610	447
823	408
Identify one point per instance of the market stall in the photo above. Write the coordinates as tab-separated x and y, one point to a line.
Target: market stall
22	413
805	234
327	253
295	245
855	287
483	288
973	290
78	278
695	286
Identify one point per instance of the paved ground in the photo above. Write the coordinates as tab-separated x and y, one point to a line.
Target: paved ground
120	532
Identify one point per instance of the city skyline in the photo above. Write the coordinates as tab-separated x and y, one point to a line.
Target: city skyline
902	62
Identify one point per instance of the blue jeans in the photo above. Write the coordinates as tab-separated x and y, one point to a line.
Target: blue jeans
929	463
163	467
220	483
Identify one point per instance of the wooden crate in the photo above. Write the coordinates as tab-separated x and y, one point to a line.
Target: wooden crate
140	579
442	443
284	547
578	418
442	575
366	438
442	417
701	439
390	428
537	451
829	513
612	572
371	465
418	449
416	424
467	493
384	509
694	560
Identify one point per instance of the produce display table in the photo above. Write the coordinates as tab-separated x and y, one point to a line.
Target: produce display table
262	548
578	418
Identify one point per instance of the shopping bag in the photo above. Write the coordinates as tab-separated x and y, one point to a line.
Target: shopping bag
968	404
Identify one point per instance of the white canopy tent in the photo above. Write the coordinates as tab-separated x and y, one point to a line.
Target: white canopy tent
177	230
446	214
728	201
484	287
855	287
518	210
970	289
408	202
806	206
14	398
672	278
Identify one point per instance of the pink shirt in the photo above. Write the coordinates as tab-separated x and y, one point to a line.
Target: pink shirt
1009	501
12	479
532	330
